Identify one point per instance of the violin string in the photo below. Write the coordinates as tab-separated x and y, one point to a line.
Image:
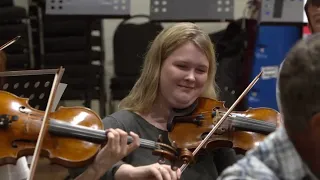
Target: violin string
254	121
254	127
130	139
246	119
96	133
239	119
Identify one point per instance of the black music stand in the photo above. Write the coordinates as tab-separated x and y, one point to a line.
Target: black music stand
90	11
33	85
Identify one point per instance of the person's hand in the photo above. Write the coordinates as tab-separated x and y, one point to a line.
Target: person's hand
116	149
150	172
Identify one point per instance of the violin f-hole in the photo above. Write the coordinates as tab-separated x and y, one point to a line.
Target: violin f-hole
15	143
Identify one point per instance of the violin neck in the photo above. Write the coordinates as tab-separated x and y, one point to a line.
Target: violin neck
64	129
253	125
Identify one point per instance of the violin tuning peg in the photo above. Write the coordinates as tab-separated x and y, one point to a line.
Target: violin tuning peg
175	165
161	160
160	138
174	144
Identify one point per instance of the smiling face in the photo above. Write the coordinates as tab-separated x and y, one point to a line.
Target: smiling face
180	66
183	76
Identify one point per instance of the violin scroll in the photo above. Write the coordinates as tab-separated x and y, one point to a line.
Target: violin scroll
176	158
186	156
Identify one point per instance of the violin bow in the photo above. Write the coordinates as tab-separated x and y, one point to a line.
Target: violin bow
44	123
9	42
254	81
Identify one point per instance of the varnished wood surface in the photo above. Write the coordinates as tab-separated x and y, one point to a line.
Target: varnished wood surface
186	135
68	152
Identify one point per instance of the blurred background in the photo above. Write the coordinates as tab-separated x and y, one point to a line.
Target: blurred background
101	45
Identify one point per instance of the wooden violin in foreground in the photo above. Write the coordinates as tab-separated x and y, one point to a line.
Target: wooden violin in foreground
241	130
74	134
209	125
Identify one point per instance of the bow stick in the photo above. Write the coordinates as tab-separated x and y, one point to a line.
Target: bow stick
44	124
9	43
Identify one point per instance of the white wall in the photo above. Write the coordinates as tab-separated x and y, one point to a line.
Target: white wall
139	7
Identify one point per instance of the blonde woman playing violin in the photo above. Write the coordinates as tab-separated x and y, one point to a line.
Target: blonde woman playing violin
179	67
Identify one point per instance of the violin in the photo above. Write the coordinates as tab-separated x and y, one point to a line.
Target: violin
74	134
208	124
241	130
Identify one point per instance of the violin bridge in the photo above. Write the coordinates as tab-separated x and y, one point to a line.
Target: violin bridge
222	129
216	118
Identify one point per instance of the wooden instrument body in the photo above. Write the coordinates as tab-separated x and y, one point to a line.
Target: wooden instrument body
19	133
188	134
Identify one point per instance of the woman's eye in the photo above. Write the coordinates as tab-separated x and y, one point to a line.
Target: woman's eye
182	66
202	70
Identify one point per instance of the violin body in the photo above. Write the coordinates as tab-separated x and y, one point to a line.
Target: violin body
241	131
20	125
245	140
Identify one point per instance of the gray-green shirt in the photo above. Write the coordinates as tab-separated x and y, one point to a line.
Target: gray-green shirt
204	168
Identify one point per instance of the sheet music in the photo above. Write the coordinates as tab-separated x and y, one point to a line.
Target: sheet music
60	90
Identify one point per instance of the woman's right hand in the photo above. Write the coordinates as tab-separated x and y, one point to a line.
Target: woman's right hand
150	172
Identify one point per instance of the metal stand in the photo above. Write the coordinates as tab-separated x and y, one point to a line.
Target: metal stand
25	84
191	10
95	8
280	11
90	11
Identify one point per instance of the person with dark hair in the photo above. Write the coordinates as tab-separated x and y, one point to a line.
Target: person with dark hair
292	151
312	9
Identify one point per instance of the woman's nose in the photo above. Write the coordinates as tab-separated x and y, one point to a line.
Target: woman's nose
191	76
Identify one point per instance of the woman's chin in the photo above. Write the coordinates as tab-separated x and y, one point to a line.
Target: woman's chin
183	103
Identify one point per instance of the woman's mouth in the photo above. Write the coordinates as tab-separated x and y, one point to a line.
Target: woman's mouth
187	87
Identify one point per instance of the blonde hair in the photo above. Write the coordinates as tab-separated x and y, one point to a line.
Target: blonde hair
145	90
